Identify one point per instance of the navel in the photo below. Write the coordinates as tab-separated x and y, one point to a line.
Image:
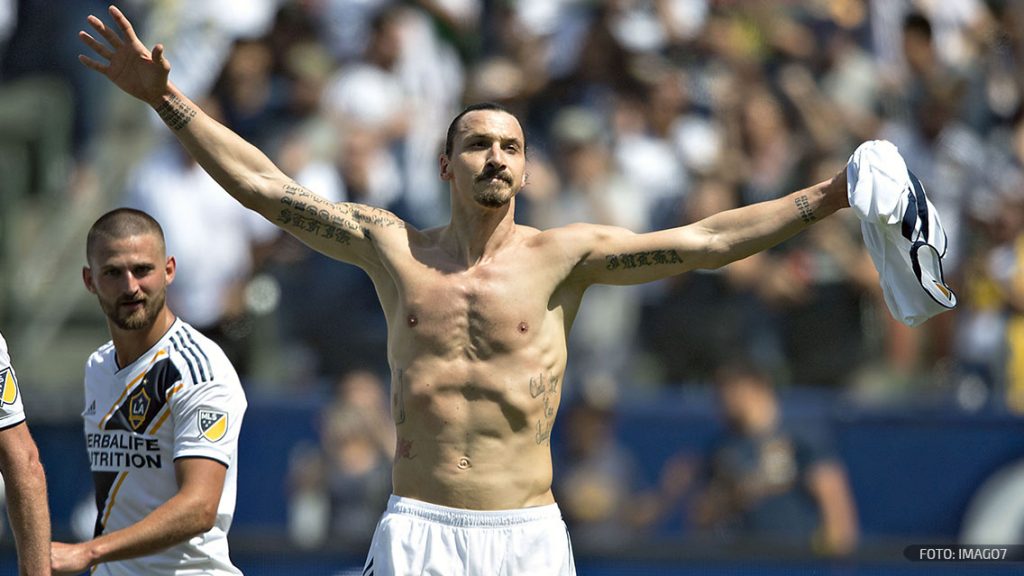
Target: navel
412	320
524	327
464	463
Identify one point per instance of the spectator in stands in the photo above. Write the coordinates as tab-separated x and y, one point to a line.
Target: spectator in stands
769	484
827	273
702	319
600	491
991	330
253	99
404	68
340	490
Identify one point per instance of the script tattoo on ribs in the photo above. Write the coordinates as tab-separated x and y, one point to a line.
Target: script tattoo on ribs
545	388
175	113
398	400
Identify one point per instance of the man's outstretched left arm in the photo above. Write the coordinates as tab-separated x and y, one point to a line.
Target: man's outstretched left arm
610	255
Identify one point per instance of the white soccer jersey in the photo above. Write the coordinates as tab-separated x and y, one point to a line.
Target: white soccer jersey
11	410
181	399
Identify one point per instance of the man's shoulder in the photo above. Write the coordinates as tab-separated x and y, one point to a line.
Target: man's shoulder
199	359
101	358
575	238
558	233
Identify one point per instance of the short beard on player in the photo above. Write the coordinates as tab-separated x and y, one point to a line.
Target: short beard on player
139	319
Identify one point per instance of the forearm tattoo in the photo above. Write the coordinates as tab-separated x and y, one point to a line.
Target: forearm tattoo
641	259
176	113
306	213
806	212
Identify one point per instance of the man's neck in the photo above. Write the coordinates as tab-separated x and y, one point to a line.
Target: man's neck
475	233
130	345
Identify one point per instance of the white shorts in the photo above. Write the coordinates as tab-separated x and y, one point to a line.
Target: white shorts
415	538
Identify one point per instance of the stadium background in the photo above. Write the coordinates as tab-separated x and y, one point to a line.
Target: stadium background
681	107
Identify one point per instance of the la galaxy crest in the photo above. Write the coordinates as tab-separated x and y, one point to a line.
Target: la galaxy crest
8	387
213	424
138	407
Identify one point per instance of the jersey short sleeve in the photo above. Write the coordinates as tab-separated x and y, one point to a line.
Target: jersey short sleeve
208	418
11	410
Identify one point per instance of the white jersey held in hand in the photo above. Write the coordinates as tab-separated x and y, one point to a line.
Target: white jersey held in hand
181	399
902	232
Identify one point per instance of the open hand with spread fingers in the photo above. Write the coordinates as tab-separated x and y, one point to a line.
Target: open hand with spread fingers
129	64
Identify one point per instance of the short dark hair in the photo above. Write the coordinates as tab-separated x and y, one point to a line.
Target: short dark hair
121	223
449	141
919	23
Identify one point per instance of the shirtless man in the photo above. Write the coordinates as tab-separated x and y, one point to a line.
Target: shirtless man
478	313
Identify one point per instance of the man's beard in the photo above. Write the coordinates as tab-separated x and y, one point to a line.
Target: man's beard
493	195
138	319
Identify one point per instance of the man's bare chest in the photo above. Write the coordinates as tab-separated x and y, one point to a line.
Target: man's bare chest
480	312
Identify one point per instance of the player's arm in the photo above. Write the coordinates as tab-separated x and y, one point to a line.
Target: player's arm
837	534
341	230
610	255
26	498
190	512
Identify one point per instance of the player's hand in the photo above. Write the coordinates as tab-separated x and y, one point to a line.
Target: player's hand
129	64
837	189
68	559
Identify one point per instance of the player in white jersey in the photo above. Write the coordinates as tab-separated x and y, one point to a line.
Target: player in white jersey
163	409
23	478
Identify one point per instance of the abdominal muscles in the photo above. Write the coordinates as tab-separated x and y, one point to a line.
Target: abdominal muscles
475	434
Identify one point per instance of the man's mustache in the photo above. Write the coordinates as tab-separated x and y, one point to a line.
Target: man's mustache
489	173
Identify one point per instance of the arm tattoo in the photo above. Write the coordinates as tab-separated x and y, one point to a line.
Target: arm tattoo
640	259
370	215
175	113
312	214
806	212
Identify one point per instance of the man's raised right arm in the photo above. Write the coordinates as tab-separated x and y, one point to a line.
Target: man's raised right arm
341	230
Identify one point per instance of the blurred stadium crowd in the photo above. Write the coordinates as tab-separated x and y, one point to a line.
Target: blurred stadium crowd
639	113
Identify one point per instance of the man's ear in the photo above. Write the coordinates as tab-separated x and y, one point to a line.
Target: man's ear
170	268
87	279
445	167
